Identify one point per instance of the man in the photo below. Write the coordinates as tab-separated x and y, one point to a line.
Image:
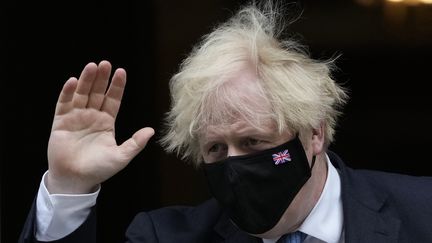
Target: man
257	114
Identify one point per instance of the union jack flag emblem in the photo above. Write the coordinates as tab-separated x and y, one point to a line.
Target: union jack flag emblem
281	157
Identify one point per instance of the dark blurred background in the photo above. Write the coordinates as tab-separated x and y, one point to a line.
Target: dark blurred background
385	49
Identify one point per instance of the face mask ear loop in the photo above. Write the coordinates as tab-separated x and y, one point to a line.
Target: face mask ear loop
313	162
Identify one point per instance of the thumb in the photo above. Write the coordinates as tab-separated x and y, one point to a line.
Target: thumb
131	147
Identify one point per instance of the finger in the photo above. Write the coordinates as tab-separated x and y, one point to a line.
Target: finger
99	87
131	147
85	83
64	103
112	100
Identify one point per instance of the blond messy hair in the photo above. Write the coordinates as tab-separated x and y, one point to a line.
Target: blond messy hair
299	90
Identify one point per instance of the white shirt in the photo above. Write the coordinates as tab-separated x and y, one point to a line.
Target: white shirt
58	215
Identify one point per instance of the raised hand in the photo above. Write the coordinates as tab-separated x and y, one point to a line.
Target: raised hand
82	149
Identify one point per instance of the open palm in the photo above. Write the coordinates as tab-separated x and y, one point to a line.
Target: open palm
82	149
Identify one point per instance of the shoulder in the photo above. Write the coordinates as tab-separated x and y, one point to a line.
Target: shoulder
381	179
396	185
407	190
161	225
181	216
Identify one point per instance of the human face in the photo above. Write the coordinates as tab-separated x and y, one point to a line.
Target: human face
240	138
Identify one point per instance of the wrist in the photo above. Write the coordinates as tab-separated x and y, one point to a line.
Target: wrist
62	185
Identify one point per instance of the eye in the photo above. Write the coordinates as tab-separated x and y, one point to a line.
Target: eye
216	152
253	144
250	142
217	148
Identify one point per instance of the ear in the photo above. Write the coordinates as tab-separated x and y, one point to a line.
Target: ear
317	144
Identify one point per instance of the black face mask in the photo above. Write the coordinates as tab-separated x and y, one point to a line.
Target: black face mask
256	189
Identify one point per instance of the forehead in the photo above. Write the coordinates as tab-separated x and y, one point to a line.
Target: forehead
239	129
242	126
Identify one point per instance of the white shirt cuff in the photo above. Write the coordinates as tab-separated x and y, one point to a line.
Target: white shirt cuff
58	215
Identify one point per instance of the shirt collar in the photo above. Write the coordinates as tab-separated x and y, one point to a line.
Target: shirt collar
326	218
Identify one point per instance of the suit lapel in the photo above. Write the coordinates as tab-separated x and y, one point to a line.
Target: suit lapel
364	207
363	224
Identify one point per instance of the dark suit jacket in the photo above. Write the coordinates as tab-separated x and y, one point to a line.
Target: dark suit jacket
378	207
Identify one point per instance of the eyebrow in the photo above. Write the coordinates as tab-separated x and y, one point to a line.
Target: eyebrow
240	133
